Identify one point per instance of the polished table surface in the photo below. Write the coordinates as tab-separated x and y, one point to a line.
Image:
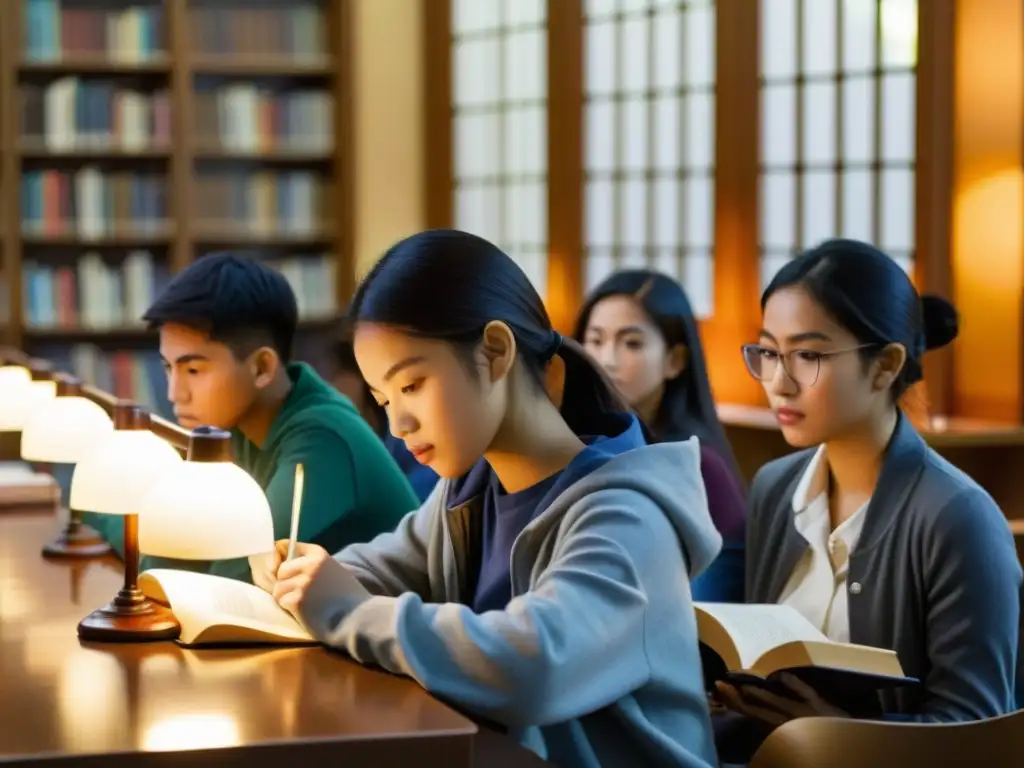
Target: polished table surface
139	704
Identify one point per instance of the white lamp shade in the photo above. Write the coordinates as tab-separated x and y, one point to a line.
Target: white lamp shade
18	403
13	376
115	477
202	510
64	430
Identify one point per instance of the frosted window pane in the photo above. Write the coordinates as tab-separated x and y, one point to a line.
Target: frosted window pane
819	37
819	122
858	120
778	125
599	264
666	261
698	281
474	16
635	50
526	140
477	71
631	6
600	213
898	117
899	33
477	210
667	133
535	265
772	263
667	56
525	206
858	35
778	197
700	139
600	50
699	212
700	46
476	145
778	38
897	210
819	207
635	134
633	258
525	65
666	212
601	135
633	213
857	210
599	7
523	11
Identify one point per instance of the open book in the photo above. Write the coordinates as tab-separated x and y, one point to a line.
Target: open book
753	644
213	610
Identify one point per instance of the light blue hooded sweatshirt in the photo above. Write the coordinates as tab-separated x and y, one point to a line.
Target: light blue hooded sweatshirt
595	660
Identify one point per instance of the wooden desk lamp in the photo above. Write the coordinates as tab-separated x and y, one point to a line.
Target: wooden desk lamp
65	430
113	480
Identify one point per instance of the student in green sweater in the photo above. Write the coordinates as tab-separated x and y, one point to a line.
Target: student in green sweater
226	327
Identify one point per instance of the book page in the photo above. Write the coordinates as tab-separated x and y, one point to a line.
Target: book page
756	629
202	600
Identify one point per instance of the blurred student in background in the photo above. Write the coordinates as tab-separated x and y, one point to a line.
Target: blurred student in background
638	324
349	381
226	327
867	532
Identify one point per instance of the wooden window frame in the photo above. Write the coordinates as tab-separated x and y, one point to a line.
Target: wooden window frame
736	315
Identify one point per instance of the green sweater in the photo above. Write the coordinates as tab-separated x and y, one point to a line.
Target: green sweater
353	488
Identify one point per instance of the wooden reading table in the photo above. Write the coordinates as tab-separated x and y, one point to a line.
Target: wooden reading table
80	705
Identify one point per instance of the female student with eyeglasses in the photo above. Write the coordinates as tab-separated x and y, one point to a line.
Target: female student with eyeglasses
867	532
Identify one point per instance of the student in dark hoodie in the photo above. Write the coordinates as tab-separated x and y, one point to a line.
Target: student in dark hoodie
639	325
226	326
349	381
544	585
867	532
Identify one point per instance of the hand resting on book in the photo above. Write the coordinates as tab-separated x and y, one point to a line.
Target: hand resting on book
771	708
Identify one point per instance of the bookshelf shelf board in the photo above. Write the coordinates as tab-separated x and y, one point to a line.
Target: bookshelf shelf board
277	67
275	156
44	333
93	65
243	238
38	151
139	240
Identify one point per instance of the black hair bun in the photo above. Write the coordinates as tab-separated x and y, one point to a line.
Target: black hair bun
941	322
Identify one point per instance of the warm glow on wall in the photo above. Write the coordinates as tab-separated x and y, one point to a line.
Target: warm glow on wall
988	272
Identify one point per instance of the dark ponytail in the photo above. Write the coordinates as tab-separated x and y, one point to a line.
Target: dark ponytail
448	285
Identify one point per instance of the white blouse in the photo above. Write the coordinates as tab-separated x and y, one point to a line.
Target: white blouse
817	587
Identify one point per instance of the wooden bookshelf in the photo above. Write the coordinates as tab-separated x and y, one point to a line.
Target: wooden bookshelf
138	135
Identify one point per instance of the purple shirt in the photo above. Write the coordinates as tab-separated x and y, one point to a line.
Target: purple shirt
727	499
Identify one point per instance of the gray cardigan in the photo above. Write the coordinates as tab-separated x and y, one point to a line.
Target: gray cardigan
934	577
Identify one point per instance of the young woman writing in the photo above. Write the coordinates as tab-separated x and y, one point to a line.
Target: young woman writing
638	324
867	532
544	585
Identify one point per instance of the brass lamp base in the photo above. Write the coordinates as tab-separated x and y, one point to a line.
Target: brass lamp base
129	619
77	540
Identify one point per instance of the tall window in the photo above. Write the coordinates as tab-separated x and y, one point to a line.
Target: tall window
837	125
650	68
499	93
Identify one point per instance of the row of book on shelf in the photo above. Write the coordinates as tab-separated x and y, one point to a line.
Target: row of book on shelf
94	295
91	203
53	29
75	113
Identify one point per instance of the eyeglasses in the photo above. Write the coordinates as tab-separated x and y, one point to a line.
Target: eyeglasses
801	365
